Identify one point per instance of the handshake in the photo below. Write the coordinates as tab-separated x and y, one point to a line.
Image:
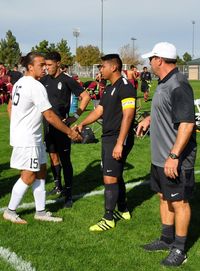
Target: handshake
75	133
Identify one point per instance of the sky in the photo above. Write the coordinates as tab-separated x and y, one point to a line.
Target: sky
147	21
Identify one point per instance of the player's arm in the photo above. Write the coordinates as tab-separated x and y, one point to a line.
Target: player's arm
54	120
92	117
85	98
128	109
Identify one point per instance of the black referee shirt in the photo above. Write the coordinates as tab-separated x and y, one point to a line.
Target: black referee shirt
112	105
59	91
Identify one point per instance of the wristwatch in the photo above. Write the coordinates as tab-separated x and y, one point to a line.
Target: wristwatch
173	156
76	115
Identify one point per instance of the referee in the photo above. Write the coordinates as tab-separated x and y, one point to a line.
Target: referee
59	88
117	108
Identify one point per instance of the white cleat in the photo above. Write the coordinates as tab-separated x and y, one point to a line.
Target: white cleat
13	217
48	217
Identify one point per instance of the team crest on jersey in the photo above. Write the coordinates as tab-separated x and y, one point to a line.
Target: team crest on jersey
59	85
113	91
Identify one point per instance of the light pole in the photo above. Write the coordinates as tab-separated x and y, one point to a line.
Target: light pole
102	26
76	33
133	39
193	24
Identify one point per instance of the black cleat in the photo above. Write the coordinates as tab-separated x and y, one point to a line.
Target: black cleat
68	203
157	245
176	257
55	191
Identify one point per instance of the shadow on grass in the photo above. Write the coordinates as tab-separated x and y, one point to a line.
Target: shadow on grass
194	232
140	193
88	180
6	184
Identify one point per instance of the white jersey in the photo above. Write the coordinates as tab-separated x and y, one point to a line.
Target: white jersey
29	100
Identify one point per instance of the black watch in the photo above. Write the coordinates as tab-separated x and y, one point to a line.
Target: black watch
173	156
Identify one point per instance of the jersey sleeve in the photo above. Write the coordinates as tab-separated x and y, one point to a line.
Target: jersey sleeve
183	104
74	86
127	94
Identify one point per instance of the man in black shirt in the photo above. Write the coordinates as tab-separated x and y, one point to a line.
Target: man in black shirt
59	87
15	75
117	108
145	77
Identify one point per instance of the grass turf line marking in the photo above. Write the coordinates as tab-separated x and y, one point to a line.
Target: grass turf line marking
16	262
83	195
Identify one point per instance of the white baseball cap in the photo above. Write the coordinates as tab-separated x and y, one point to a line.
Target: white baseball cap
162	49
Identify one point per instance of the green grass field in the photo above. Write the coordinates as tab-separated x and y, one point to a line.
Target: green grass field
69	246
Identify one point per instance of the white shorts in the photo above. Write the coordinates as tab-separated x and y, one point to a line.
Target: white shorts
28	158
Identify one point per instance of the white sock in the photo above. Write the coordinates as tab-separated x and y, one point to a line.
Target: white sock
18	191
39	194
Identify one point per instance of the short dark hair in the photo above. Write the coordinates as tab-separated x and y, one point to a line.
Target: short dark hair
29	58
113	58
132	66
55	56
64	66
169	61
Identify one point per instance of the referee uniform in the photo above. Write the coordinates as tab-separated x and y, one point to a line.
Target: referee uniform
59	90
116	98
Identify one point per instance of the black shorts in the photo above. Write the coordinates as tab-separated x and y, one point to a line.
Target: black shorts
144	87
180	188
56	141
111	166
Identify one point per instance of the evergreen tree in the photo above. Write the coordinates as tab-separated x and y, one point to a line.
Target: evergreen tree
44	47
10	53
65	53
187	57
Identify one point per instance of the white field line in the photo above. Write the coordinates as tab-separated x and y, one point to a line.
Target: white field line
83	195
16	262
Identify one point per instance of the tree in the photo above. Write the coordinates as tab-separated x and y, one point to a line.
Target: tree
183	61
64	50
10	53
180	61
126	54
187	57
44	47
88	55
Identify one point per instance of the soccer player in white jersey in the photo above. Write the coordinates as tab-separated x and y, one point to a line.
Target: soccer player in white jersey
29	105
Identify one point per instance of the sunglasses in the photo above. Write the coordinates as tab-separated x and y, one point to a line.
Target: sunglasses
150	58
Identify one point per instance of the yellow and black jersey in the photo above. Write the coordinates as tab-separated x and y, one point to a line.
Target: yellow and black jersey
116	98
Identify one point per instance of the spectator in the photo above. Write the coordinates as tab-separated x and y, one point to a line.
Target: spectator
131	75
145	77
15	75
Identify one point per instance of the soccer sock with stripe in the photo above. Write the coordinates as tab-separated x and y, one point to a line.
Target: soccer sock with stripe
18	191
39	194
180	242
111	195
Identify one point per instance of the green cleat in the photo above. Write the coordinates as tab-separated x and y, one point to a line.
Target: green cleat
121	215
103	225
